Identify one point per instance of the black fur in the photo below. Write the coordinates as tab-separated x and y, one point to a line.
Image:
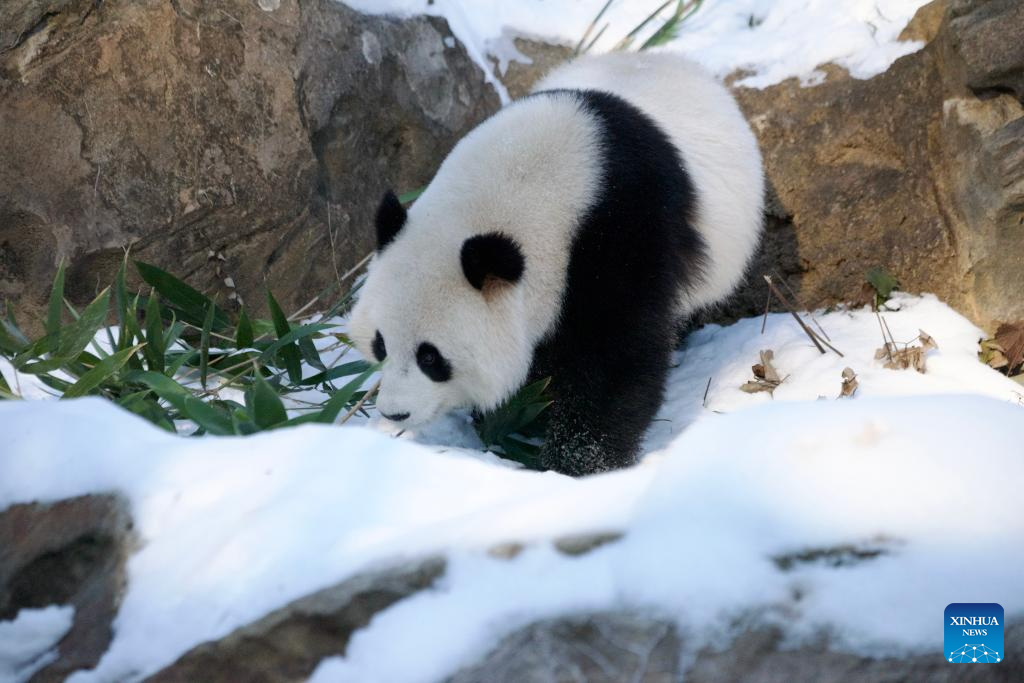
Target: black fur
432	363
634	250
391	217
491	255
380	352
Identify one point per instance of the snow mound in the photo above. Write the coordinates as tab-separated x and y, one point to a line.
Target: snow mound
740	497
28	642
771	39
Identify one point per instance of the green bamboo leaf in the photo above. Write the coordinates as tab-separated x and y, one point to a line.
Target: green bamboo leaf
310	354
154	349
192	305
289	352
100	373
207	417
296	334
180	359
343	370
173	333
5	389
56	307
73	340
142	405
242	424
12	341
412	195
342	397
121	304
204	345
243	334
267	408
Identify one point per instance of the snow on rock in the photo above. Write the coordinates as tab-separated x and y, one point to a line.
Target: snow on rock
232	528
771	39
28	642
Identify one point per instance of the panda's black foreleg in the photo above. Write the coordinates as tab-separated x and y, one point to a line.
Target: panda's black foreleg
604	402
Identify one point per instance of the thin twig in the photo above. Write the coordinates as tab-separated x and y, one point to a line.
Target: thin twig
803	325
360	402
706	390
885	340
590	28
799	303
351	271
767	307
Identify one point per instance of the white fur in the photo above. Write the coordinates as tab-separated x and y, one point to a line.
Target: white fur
531	172
718	148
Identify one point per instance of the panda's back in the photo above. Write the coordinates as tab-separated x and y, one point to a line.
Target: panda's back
719	153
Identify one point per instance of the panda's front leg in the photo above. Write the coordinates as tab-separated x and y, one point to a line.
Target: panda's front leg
604	403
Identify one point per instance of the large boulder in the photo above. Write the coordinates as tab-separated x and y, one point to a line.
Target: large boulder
919	170
72	552
232	142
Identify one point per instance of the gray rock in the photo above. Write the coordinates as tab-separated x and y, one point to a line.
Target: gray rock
68	553
288	644
634	646
596	648
218	139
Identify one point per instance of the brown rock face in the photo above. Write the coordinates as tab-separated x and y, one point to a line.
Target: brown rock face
216	139
919	170
68	553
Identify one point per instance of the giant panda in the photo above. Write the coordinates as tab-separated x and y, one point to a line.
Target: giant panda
566	236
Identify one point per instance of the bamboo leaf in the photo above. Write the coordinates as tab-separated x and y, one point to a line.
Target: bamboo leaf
154	349
100	372
342	397
204	344
56	306
267	408
191	304
243	334
206	416
337	372
289	352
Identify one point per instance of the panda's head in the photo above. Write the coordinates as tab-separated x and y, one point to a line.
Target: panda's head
442	307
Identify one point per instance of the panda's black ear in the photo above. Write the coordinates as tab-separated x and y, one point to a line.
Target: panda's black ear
390	219
491	261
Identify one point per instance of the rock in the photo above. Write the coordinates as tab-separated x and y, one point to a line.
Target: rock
758	656
620	646
910	170
220	140
601	647
288	644
532	60
988	35
68	553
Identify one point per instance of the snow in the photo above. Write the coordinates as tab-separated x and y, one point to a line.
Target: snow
28	642
771	39
924	466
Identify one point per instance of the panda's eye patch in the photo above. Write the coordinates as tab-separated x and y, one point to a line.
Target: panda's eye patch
432	363
379	352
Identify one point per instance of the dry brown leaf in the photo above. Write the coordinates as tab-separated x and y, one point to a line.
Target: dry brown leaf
908	356
850	383
992	355
926	340
766	377
1010	337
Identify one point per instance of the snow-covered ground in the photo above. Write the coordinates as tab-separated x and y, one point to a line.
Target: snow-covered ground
772	39
926	467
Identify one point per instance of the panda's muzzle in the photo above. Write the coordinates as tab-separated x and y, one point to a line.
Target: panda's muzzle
396	417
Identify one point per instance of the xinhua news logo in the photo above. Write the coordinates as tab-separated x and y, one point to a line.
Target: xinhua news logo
974	633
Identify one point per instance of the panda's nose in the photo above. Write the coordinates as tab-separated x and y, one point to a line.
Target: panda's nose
396	417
